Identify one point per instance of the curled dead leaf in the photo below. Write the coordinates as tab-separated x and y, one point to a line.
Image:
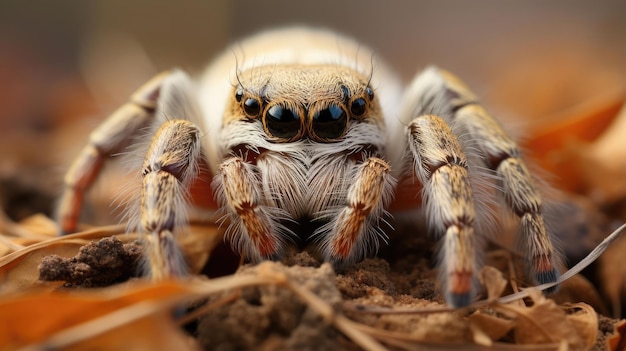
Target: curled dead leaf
584	320
493	281
558	144
603	163
493	326
617	341
547	323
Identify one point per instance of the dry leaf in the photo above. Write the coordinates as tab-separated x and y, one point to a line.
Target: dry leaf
34	317
546	323
493	282
198	244
585	321
603	163
617	341
491	325
612	274
556	145
41	225
155	332
577	289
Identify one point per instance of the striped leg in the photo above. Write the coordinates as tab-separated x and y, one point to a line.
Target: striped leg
255	228
109	138
355	232
168	169
520	194
442	168
518	189
438	92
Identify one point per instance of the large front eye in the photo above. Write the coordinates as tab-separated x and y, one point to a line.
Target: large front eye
330	123
282	122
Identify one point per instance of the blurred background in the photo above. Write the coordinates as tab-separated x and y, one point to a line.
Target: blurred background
65	65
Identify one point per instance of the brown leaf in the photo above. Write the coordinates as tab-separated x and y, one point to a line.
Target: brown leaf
579	289
602	163
585	321
557	145
493	282
494	327
34	317
546	322
155	332
198	244
617	341
41	225
612	274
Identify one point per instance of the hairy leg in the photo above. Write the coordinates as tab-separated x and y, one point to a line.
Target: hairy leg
106	140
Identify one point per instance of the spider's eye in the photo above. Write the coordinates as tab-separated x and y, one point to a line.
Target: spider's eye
252	107
370	93
358	107
239	95
330	123
281	122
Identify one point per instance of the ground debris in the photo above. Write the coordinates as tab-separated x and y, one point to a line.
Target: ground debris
99	263
273	317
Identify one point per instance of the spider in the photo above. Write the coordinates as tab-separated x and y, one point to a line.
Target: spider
300	126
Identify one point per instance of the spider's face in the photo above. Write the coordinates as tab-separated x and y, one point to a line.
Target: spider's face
296	102
302	133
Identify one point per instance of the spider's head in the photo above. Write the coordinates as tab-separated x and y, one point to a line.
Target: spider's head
293	102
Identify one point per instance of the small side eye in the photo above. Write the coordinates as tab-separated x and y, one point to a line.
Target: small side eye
239	94
358	107
252	107
370	93
281	122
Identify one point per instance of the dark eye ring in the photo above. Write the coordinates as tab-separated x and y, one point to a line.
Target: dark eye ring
252	107
358	107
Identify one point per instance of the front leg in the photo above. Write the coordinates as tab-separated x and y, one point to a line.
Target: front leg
168	170
255	230
442	168
354	231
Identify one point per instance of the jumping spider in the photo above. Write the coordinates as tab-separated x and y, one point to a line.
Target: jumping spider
300	125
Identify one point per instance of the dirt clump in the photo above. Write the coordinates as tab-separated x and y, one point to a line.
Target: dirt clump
97	264
273	317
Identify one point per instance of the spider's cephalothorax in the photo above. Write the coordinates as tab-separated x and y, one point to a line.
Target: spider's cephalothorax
300	126
303	143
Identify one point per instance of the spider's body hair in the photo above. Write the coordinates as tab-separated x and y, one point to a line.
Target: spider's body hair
309	180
